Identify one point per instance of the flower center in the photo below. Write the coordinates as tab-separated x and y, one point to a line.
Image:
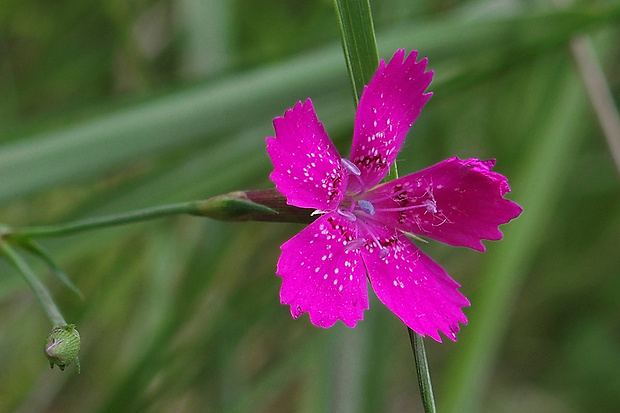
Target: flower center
358	212
370	216
351	208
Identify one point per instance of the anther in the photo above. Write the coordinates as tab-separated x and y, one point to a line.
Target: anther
348	215
383	253
366	206
350	167
431	206
355	244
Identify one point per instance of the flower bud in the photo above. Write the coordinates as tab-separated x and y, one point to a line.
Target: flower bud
63	346
259	205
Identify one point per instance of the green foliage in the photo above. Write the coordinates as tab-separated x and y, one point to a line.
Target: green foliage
358	42
100	114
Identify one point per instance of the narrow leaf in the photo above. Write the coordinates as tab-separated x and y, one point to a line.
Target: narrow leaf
42	254
358	42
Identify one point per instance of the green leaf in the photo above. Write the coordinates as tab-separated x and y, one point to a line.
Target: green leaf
358	42
41	253
40	290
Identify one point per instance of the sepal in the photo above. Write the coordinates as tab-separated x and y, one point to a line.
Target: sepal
259	205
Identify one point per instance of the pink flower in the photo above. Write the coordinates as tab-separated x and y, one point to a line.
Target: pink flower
361	231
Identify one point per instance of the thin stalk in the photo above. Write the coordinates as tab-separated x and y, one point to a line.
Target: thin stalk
600	96
42	294
102	222
424	374
598	90
259	205
360	51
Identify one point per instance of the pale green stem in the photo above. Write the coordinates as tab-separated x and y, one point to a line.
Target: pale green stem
424	374
259	205
360	50
102	222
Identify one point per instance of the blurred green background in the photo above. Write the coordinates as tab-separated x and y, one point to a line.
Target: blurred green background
108	106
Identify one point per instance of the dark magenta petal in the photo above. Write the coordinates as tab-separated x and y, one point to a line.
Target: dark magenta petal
388	107
459	202
413	286
307	166
320	276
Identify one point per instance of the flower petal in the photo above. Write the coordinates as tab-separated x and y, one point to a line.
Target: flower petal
388	107
307	166
322	277
459	202
414	287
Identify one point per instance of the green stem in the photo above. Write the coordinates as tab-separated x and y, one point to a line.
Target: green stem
102	222
259	205
424	375
43	295
360	51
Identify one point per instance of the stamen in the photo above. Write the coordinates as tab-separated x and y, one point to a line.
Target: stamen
361	186
350	167
355	244
348	215
431	205
391	195
366	206
383	252
399	209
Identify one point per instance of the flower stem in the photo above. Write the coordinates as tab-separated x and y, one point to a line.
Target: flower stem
360	51
101	222
259	205
42	294
424	376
